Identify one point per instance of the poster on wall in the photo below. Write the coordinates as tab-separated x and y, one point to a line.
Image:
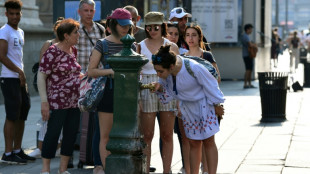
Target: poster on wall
71	10
217	18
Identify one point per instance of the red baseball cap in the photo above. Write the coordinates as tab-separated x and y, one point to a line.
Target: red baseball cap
122	16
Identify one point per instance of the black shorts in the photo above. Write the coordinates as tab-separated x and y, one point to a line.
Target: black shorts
106	103
16	99
248	62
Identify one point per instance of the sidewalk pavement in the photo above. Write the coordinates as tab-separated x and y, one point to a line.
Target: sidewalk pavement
245	145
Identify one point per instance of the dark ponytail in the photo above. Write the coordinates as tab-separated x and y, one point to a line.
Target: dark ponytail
164	57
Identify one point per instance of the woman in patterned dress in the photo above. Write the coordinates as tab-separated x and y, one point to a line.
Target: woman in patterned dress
199	98
58	84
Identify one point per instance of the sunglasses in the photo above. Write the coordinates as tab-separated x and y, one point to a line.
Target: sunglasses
149	28
173	24
179	10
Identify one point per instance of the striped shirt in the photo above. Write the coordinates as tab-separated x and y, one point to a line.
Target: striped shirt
84	45
112	47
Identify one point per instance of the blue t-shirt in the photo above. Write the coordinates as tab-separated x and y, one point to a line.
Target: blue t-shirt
245	43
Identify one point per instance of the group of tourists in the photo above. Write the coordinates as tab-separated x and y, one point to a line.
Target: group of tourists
187	102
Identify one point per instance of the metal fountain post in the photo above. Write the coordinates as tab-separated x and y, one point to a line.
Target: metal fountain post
126	142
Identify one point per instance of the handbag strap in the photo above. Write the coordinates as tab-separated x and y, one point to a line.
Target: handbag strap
88	36
104	57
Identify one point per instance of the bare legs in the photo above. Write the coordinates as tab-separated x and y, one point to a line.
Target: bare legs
105	124
166	134
195	155
147	121
247	78
185	148
204	160
13	134
211	153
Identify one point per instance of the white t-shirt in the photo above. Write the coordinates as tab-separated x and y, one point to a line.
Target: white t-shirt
15	39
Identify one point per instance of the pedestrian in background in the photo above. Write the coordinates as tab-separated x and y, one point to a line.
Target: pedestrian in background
294	46
138	32
58	84
174	34
199	98
120	25
248	62
275	47
180	16
90	33
13	84
156	31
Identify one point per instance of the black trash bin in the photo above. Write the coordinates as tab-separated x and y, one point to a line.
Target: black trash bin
273	89
307	74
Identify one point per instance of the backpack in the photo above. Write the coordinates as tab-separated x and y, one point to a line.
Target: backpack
201	61
92	89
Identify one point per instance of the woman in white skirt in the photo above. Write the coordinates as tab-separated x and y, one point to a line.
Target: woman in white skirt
199	98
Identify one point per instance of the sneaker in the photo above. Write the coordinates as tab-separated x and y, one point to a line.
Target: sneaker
36	153
24	156
65	172
251	86
13	159
152	169
98	170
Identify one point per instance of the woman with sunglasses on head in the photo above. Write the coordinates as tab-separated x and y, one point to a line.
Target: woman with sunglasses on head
199	99
120	25
194	39
155	29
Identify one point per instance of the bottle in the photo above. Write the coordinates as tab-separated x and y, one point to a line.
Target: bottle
39	125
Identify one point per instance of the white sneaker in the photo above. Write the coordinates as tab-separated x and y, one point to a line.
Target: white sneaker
36	153
65	172
98	170
45	173
57	154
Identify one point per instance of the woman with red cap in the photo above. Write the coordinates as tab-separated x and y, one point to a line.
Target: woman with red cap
120	25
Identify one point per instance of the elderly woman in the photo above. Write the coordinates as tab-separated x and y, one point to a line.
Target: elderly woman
199	98
120	25
58	84
156	31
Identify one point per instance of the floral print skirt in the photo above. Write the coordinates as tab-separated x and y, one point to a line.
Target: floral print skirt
199	119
